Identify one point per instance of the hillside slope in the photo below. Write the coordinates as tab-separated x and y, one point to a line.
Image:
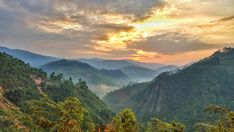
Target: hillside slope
100	81
19	82
15	79
182	95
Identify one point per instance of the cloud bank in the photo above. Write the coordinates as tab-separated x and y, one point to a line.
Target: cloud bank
151	31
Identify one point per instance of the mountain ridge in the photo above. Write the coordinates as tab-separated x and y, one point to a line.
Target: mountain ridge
28	57
99	81
19	82
183	94
118	64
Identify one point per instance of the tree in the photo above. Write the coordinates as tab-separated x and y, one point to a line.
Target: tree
56	78
124	121
156	125
14	120
224	123
63	116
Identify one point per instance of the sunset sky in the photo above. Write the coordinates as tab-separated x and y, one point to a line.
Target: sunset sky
162	31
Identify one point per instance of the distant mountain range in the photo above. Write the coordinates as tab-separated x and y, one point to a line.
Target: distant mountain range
141	74
28	57
102	75
183	94
100	81
39	60
118	64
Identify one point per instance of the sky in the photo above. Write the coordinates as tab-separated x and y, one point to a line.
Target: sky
154	31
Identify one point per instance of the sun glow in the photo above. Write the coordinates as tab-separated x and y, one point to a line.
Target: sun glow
109	32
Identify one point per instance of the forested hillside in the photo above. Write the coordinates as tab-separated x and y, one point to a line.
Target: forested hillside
100	81
19	83
181	96
32	101
16	79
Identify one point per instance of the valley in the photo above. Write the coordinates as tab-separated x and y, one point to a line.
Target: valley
179	95
102	75
116	65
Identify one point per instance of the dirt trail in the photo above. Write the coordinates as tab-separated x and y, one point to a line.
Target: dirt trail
38	82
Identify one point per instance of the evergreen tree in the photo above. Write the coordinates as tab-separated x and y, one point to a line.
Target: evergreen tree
124	121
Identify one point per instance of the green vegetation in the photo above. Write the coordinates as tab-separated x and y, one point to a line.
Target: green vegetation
156	125
46	115
16	79
117	98
31	101
58	89
224	120
182	95
125	121
19	82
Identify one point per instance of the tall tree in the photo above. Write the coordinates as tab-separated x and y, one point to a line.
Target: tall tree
124	121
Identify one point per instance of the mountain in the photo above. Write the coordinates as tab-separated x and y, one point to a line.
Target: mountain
100	81
104	75
136	71
118	64
106	64
152	66
19	82
181	95
33	59
37	60
168	68
139	74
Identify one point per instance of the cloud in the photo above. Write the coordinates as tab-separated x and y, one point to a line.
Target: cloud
134	29
225	19
171	43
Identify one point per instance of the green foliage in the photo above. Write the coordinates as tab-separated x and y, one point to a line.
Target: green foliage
216	109
16	80
46	115
15	120
156	125
116	99
183	94
203	127
68	106
60	89
224	123
125	121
